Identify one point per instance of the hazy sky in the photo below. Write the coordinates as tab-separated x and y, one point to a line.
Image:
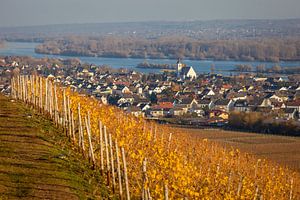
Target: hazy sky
39	12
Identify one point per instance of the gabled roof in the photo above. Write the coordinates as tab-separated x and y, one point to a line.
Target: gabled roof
222	102
227	86
185	70
187	100
241	103
204	101
165	105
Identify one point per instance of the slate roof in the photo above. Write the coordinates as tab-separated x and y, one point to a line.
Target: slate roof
185	70
222	102
241	103
204	101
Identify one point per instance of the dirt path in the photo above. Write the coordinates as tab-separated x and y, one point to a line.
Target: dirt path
37	163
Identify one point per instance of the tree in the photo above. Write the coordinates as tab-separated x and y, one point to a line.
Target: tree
153	98
276	69
260	68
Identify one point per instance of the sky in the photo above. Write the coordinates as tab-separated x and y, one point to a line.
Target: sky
43	12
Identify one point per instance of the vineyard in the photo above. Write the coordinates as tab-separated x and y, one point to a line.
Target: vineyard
144	160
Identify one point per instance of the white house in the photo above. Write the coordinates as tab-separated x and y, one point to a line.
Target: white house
188	73
185	72
157	90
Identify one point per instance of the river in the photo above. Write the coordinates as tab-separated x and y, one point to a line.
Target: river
203	66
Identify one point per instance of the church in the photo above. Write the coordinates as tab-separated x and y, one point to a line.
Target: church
185	72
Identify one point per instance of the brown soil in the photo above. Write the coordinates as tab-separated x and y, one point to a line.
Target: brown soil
284	150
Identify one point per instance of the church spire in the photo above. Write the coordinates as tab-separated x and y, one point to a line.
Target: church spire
179	67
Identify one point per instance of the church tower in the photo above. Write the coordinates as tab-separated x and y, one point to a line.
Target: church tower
179	67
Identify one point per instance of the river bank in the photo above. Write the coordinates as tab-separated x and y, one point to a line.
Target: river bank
200	66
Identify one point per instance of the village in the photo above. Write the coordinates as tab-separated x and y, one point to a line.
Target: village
181	97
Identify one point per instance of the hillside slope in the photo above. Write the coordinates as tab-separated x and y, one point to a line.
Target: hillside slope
36	161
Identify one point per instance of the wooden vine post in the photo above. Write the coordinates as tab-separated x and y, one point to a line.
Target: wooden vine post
101	148
91	150
166	192
125	174
145	189
119	170
107	156
80	134
46	96
65	112
69	118
56	116
41	94
112	163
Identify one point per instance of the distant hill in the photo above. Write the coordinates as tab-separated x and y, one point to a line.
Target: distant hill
212	29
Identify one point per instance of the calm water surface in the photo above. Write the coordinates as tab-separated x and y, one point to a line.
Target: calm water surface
203	66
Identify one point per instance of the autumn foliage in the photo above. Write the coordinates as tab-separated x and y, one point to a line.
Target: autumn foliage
190	168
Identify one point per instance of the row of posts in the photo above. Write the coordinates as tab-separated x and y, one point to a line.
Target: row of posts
42	95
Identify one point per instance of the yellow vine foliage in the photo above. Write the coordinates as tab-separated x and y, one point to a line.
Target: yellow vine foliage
191	168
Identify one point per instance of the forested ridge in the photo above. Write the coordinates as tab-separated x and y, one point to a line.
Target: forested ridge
276	49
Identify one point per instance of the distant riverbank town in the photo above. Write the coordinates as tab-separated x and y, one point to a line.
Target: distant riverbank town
181	97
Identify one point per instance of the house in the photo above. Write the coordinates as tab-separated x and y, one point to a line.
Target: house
226	87
165	105
188	73
126	98
178	111
277	105
224	104
241	105
260	102
294	105
207	92
184	72
289	113
160	110
155	112
206	103
275	97
218	114
136	111
239	95
198	110
121	89
157	90
187	102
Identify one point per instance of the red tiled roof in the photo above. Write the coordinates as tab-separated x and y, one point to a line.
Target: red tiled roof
227	86
165	104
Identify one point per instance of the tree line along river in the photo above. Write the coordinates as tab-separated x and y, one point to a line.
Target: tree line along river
200	66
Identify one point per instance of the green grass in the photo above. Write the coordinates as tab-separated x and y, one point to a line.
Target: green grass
37	161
